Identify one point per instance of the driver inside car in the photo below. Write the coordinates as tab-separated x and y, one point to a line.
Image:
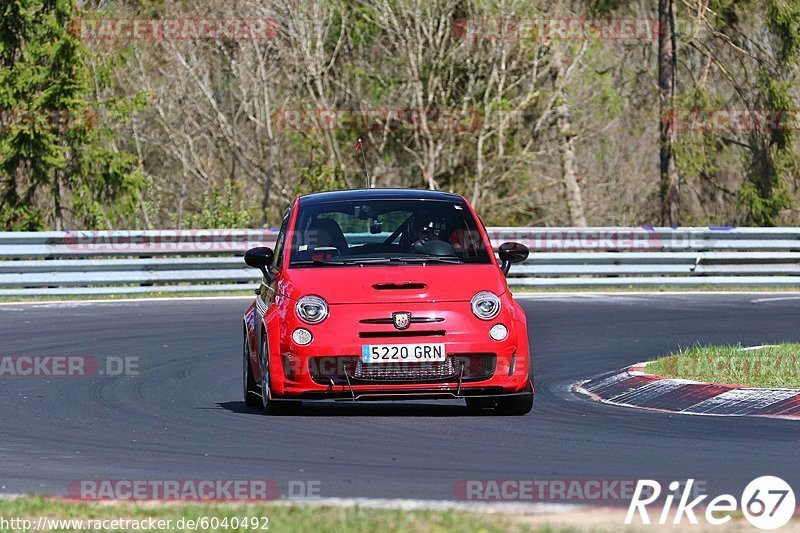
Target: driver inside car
423	228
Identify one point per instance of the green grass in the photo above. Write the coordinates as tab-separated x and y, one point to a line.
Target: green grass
773	366
282	518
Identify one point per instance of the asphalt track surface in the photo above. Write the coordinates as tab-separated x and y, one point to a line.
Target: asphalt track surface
183	418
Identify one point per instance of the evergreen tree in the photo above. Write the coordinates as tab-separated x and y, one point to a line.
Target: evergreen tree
58	160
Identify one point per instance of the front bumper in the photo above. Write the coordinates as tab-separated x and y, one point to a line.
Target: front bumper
358	395
338	342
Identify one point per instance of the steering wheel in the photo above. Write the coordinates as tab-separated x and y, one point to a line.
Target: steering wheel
435	247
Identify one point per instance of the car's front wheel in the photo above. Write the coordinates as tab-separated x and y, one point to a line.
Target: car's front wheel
512	405
480	403
516	405
251	392
269	403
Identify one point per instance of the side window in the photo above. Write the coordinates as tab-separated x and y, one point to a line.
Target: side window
280	242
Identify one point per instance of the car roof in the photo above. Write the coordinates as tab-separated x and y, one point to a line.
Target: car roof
378	194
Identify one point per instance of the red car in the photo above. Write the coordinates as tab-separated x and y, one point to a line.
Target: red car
385	294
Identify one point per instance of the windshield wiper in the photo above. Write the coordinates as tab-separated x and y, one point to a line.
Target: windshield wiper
339	261
317	262
429	259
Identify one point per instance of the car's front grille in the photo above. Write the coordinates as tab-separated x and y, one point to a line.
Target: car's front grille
476	367
404	371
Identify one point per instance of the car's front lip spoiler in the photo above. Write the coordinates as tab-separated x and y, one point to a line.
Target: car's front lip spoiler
346	396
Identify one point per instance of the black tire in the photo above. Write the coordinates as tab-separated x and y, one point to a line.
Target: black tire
270	404
515	405
252	395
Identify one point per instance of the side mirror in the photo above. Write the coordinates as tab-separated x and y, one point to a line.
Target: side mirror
512	252
260	258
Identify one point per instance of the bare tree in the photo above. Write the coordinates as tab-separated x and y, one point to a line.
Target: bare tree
667	65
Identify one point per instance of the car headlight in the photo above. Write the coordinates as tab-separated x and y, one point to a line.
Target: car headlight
311	309
485	305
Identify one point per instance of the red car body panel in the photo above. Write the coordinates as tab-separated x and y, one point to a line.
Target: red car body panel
355	293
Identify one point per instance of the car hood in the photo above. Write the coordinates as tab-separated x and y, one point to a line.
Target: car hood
389	284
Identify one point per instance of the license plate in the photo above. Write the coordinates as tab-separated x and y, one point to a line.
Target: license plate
397	353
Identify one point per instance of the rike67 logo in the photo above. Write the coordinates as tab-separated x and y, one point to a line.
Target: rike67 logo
767	502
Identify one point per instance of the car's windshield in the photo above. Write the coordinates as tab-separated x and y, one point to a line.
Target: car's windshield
399	231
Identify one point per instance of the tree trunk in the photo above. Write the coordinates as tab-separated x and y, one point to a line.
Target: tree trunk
431	153
267	189
58	213
181	199
478	183
139	193
572	190
667	63
270	167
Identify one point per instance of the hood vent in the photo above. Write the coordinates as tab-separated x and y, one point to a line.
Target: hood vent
409	285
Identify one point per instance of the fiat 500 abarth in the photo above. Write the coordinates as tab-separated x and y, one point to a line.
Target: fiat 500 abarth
385	294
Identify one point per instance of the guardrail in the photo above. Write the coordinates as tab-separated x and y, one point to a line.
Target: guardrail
124	262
